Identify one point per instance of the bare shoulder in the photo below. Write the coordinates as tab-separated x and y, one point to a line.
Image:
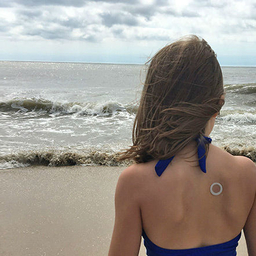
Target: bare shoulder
246	162
131	180
250	225
136	173
130	175
241	165
128	226
128	178
246	165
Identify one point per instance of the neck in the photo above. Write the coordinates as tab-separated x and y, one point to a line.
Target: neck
189	151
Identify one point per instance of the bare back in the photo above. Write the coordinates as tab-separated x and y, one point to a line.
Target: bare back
177	209
182	95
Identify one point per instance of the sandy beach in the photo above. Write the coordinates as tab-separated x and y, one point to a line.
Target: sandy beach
59	211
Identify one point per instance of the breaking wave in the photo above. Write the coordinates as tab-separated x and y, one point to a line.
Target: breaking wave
89	158
248	152
61	158
248	88
238	118
46	107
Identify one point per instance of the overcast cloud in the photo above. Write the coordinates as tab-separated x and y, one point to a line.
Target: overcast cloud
122	30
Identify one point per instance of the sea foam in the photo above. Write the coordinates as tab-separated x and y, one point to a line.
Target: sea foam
85	158
47	107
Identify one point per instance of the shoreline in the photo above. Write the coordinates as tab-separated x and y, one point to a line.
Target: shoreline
60	211
90	158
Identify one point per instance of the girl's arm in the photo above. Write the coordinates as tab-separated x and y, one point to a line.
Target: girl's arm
127	232
250	226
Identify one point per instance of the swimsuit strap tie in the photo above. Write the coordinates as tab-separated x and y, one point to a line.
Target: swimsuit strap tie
162	164
201	151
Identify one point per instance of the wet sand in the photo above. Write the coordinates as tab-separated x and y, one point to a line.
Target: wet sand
59	211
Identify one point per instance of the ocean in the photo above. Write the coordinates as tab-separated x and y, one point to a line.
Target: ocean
76	113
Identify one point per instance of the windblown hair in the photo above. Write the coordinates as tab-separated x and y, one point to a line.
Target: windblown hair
182	91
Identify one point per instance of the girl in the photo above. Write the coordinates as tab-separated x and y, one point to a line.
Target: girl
184	195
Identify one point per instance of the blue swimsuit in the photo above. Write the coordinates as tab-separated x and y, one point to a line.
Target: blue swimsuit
227	248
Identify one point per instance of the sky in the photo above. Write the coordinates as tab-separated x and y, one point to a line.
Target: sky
124	31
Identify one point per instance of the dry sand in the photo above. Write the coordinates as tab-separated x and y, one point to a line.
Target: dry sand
67	211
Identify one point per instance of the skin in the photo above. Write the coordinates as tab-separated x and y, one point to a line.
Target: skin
177	210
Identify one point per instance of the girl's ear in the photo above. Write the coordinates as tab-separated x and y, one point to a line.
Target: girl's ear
221	102
215	115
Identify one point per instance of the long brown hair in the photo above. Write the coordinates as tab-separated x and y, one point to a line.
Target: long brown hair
182	91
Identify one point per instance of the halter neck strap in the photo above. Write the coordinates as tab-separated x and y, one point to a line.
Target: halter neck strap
162	164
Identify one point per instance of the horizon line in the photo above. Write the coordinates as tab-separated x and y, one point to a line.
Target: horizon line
108	63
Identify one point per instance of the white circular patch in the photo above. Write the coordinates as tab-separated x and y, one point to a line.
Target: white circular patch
220	188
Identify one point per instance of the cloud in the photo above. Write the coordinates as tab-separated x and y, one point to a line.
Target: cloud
31	3
110	19
53	23
4	27
146	11
49	33
29	14
118	1
74	3
5	4
210	3
120	22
